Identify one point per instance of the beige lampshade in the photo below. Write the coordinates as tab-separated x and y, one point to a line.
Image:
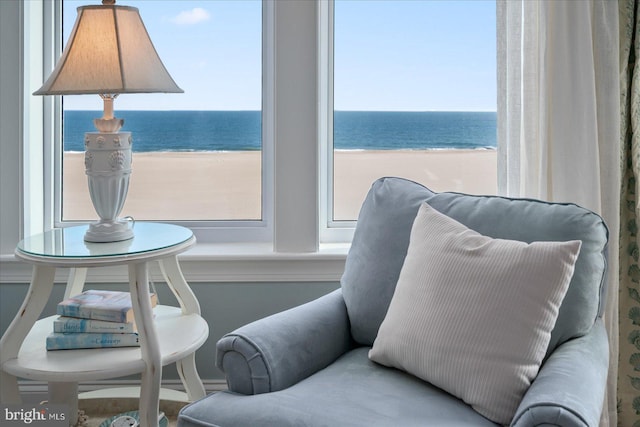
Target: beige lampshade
109	52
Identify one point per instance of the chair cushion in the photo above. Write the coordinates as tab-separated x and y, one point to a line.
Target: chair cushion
472	314
382	236
351	392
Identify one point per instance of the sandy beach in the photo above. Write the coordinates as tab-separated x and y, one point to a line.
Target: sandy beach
226	185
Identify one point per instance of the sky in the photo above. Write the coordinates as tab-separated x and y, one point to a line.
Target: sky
395	55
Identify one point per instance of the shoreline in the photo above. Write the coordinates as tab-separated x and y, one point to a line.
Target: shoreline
226	185
341	150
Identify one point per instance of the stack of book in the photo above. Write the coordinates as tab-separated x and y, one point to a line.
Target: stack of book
95	319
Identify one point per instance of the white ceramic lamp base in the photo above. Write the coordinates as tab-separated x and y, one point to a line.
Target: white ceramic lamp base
108	167
104	231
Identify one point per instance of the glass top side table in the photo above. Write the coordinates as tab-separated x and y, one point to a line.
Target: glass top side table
172	336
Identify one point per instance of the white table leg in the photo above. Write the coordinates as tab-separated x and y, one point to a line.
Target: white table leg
149	344
179	286
32	306
67	394
190	378
75	283
189	304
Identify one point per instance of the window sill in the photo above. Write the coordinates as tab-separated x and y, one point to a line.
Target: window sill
229	262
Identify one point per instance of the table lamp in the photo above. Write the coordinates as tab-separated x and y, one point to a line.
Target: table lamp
109	52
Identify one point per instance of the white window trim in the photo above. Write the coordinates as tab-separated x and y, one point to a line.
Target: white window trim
257	231
330	231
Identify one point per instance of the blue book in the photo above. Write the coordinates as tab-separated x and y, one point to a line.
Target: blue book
68	325
58	341
111	306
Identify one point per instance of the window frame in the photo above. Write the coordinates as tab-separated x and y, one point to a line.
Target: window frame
259	231
331	231
297	241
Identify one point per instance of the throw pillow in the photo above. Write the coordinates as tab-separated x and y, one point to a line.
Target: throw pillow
473	315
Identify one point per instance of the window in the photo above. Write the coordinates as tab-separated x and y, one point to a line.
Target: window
296	73
198	155
414	95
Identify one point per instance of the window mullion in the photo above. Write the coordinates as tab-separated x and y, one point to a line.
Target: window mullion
52	107
296	124
33	158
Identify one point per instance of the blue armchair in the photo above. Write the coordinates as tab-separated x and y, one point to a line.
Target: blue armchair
309	366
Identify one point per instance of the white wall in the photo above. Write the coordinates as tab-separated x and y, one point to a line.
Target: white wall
11	106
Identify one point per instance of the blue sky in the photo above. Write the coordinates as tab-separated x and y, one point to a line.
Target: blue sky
435	55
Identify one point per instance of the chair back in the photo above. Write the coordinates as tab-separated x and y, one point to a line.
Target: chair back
382	234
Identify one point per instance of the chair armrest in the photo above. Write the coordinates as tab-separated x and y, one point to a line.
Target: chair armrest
278	351
569	389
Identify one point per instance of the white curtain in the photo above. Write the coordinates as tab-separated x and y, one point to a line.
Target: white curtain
559	119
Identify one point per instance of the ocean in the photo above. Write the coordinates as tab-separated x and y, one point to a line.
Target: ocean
241	130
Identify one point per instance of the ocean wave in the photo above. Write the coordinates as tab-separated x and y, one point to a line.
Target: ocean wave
418	149
340	150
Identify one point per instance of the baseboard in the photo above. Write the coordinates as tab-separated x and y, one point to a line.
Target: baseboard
36	391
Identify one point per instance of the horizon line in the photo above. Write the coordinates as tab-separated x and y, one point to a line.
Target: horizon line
341	111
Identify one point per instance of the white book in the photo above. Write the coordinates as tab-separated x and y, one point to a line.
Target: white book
68	325
57	341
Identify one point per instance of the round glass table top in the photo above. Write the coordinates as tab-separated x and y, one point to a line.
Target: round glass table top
69	242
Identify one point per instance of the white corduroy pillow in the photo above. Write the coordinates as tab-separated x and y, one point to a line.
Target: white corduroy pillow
473	315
